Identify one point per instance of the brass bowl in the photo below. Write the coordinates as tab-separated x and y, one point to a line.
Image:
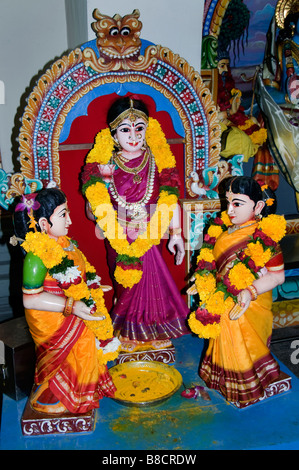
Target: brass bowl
144	383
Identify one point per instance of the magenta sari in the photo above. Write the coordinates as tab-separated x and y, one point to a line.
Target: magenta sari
152	309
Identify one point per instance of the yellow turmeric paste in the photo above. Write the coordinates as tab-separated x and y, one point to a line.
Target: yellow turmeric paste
142	385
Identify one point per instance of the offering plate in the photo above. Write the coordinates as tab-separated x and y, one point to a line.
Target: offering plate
142	383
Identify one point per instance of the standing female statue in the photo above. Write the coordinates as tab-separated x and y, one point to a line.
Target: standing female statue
131	185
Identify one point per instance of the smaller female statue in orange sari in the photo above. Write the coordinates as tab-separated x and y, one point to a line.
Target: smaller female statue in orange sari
64	309
238	266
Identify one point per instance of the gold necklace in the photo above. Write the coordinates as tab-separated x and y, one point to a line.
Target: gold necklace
233	228
134	171
137	208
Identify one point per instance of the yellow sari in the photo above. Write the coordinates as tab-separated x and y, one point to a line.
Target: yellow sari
68	373
238	362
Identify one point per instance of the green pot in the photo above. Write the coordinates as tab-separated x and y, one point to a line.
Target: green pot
34	271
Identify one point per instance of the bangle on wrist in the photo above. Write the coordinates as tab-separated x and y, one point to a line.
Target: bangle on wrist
68	306
253	292
175	231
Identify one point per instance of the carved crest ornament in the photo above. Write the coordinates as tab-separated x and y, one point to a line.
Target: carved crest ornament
115	56
118	38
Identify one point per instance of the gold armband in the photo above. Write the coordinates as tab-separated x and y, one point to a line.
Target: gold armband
253	292
68	306
175	231
38	290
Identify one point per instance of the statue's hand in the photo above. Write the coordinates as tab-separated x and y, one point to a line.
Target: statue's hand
192	290
81	310
176	247
235	103
99	232
244	299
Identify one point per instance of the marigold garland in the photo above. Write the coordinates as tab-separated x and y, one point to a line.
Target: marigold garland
219	297
121	276
273	227
257	252
204	330
257	137
205	284
46	248
206	254
241	276
63	270
97	194
103	148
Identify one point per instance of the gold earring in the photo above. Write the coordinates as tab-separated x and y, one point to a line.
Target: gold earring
116	143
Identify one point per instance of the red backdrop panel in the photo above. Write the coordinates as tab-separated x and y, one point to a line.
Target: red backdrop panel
84	130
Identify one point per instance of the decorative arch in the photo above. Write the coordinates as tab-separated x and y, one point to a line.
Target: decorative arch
67	93
214	11
82	71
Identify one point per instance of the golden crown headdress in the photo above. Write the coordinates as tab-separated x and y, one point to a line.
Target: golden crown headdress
283	9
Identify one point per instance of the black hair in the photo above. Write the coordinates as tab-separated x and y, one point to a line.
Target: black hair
121	105
49	199
222	54
287	31
251	188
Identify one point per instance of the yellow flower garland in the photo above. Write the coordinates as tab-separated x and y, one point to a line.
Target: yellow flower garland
206	285
52	254
46	248
273	227
215	299
203	331
121	275
259	136
206	254
256	252
98	196
240	276
103	148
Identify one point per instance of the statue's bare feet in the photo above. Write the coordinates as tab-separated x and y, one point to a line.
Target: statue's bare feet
161	343
50	408
130	345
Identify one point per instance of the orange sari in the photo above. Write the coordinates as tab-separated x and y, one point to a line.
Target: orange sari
67	368
238	362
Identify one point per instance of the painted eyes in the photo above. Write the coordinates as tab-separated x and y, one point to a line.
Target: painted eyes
65	213
113	32
234	204
124	31
128	129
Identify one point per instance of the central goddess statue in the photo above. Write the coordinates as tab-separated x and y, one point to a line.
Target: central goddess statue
131	185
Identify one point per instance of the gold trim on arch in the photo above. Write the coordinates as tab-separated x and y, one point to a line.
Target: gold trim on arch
35	100
151	55
218	15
